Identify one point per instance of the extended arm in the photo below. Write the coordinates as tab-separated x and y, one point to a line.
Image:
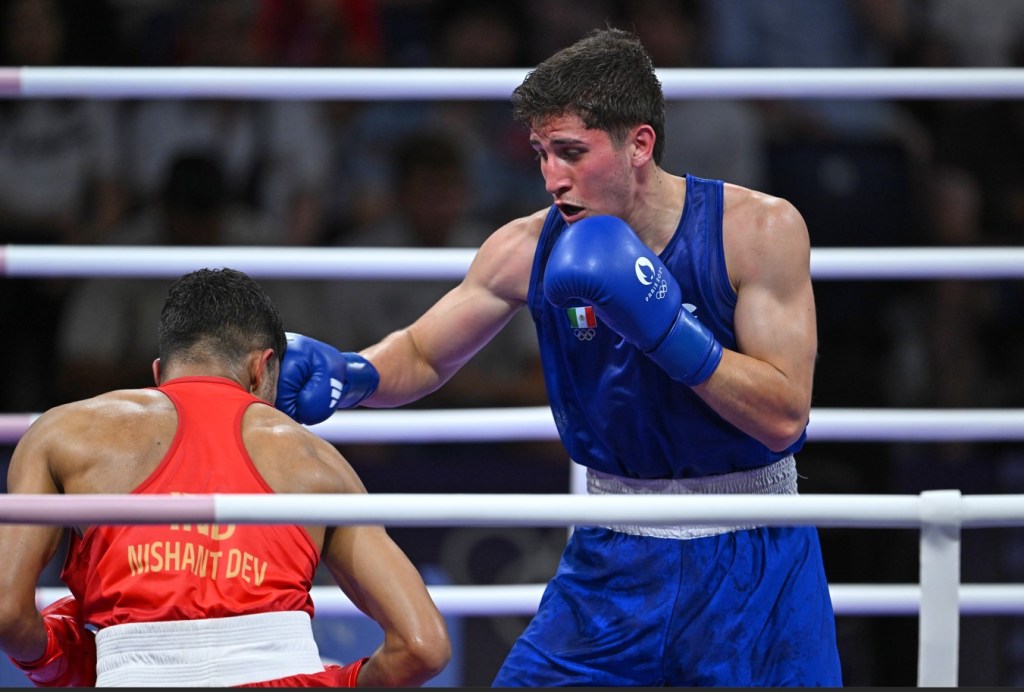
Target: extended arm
416	360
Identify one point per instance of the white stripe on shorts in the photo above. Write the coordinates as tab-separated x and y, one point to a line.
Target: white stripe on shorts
778	478
213	652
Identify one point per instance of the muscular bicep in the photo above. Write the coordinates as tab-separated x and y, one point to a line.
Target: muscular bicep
27	549
764	386
29	470
776	324
775	318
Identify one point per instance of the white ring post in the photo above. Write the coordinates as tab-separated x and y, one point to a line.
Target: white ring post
939	619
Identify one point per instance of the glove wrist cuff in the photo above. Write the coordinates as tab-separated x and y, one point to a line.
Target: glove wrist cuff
689	353
361	381
350	674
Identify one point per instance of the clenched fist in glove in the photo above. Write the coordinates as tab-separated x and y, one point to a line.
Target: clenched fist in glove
601	260
70	656
317	378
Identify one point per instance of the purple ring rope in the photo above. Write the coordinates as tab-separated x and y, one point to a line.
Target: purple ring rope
67	510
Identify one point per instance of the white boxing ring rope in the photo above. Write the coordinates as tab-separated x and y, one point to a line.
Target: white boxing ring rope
940	515
522	599
356	84
19	261
535	423
939	599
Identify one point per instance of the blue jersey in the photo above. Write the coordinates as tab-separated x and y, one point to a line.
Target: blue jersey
616	410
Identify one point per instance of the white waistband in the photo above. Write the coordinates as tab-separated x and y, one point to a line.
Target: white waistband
778	478
215	652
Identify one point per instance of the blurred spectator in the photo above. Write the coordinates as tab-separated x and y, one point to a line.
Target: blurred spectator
430	209
480	33
979	33
503	167
984	137
939	360
429	204
815	33
503	175
352	194
148	30
272	152
320	33
105	340
555	25
59	175
59	183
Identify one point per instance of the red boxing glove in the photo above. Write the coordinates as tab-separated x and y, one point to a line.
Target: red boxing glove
70	656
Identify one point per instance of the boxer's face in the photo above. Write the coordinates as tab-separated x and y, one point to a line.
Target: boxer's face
586	174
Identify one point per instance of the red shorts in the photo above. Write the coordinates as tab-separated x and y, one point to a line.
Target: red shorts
332	676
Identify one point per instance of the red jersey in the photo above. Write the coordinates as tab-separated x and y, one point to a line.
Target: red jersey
156	573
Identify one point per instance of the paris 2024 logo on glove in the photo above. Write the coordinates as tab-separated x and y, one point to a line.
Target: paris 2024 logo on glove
647	275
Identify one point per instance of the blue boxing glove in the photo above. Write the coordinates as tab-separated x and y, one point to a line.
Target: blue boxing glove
317	378
600	260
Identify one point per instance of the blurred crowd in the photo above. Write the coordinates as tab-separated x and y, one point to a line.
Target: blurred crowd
863	172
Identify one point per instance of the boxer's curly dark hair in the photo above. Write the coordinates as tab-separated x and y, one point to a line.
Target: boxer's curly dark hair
218	313
607	79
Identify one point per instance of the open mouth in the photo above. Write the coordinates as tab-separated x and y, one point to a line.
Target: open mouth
569	211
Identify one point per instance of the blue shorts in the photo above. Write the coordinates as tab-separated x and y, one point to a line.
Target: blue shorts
740	609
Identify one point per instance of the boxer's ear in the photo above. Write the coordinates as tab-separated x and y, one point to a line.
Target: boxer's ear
262	376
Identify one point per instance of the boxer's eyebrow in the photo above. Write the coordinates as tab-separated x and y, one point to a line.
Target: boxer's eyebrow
556	142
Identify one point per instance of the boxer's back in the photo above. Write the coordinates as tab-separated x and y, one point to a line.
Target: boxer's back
111	443
120	573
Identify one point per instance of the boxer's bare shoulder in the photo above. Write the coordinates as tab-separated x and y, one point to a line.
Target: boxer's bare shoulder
105	444
505	260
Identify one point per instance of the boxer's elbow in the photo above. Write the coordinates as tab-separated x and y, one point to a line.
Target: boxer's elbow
429	655
784	429
415	665
412	657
